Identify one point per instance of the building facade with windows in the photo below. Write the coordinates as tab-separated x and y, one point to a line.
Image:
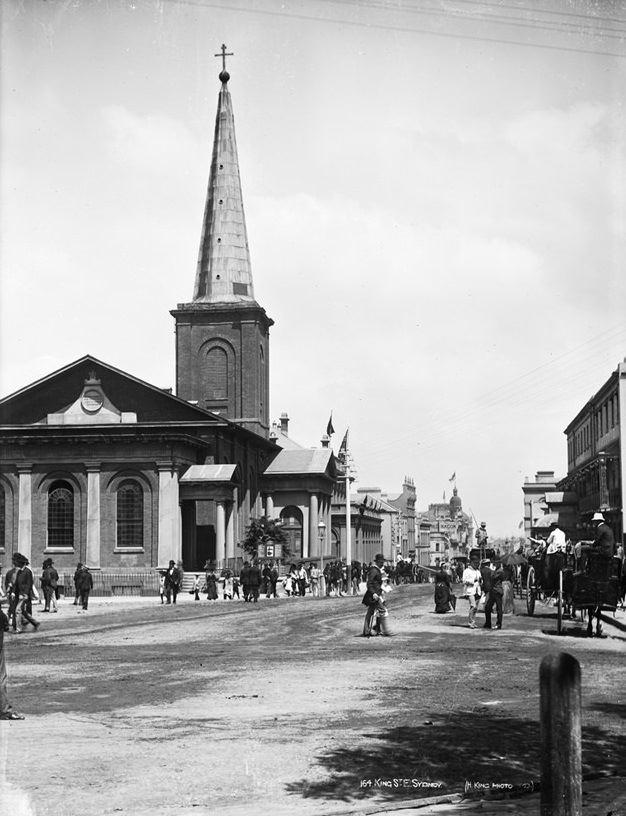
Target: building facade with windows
596	468
450	531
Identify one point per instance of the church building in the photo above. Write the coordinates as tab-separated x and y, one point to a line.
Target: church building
100	467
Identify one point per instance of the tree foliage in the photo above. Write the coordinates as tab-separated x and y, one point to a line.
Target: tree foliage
264	530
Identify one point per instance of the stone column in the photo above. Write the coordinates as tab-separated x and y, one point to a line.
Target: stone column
25	511
220	533
169	539
92	554
310	545
230	530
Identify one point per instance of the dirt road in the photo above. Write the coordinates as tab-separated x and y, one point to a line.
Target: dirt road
279	707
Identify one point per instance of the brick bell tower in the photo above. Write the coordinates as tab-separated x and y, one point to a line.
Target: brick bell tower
222	336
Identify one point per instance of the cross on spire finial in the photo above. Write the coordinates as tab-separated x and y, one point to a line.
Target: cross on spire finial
223	55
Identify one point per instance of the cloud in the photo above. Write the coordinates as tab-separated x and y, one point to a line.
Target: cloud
150	144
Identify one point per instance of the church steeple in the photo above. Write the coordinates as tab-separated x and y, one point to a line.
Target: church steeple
224	273
222	336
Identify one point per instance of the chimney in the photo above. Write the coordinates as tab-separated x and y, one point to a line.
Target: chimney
325	441
284	424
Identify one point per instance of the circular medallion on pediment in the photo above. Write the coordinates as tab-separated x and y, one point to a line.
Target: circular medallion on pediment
92	401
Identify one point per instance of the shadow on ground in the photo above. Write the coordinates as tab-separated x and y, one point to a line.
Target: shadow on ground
468	747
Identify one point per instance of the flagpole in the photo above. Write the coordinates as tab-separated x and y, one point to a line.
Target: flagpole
348	524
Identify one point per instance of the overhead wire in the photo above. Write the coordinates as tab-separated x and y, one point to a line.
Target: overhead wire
396	28
515	395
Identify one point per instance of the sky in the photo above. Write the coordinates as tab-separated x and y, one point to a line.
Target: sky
435	196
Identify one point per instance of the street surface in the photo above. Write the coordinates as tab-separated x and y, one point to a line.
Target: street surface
280	708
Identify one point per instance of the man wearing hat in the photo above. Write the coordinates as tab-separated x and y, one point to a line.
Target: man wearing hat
604	541
49	582
173	580
493	576
24	584
373	598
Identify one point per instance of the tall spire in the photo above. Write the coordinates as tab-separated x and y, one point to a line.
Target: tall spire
224	272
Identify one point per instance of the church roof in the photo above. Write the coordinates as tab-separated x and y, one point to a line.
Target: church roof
223	474
49	399
313	460
224	273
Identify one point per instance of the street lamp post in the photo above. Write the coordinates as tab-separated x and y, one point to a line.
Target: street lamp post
321	527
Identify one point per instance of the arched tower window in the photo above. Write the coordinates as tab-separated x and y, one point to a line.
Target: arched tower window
3	512
261	382
216	374
130	514
291	519
61	515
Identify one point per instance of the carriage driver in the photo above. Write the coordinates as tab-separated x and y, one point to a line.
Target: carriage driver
604	540
556	539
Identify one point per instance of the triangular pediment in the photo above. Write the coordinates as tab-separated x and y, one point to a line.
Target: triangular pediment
90	391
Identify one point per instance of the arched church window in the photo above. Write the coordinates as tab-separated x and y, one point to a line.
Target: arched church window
61	515
217	374
130	514
291	519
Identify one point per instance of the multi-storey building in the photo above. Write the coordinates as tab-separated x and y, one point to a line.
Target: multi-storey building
596	466
450	529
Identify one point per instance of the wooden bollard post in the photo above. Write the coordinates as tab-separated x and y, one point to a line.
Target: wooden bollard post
561	744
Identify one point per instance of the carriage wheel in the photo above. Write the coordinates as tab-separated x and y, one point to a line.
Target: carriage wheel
531	591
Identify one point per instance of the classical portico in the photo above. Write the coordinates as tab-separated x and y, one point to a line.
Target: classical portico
208	497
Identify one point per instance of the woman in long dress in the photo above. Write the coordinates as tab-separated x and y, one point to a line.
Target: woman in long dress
508	596
211	586
443	595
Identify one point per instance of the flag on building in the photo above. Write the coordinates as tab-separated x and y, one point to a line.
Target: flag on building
329	428
453	477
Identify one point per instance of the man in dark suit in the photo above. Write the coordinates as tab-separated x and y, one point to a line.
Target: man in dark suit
373	599
172	582
604	541
254	582
492	584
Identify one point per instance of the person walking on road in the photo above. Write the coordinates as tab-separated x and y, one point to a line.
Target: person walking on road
315	576
244	580
211	585
7	712
24	587
49	583
373	599
254	583
85	585
495	591
172	582
471	582
195	589
77	572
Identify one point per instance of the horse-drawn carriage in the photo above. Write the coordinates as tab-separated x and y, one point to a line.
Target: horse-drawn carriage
590	583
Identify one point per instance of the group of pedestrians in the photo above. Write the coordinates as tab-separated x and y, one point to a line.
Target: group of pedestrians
492	581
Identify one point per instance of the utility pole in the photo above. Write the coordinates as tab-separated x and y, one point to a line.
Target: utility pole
348	518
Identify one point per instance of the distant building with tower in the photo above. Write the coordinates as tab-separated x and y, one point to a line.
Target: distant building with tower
450	531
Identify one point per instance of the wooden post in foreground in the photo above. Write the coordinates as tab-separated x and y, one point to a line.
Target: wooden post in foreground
561	745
